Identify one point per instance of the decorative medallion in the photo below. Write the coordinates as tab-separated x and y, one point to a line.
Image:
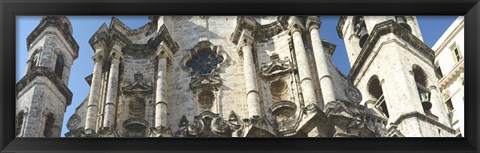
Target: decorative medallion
73	122
353	94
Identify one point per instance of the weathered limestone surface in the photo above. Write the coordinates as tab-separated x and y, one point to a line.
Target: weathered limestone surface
237	76
43	91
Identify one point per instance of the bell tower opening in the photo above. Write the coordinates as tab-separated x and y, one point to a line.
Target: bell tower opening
375	90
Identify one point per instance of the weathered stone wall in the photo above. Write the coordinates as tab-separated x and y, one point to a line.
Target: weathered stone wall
49	44
40	92
187	32
39	99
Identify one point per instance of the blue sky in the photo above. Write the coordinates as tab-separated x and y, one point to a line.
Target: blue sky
432	27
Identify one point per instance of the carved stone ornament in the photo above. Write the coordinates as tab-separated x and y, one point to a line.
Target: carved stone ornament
208	124
160	132
138	85
106	132
206	82
276	67
73	122
353	94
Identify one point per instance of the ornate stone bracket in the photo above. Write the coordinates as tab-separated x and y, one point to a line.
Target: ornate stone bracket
207	124
354	120
107	132
256	126
160	132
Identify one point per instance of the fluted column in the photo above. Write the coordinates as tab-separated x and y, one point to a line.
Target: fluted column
111	103
160	100
93	98
253	98
326	82
304	72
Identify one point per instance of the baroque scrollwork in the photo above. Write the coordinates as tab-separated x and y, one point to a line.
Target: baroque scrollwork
207	124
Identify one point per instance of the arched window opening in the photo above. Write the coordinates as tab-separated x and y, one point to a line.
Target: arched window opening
375	89
34	60
423	92
59	66
48	130
19	123
137	107
204	61
205	99
403	22
360	30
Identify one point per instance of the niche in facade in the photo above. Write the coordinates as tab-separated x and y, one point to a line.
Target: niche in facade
278	90
136	107
205	99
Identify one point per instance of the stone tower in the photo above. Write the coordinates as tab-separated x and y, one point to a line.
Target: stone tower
393	68
43	94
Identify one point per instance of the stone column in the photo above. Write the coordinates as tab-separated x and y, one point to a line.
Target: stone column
94	95
253	97
160	100
111	103
304	72
326	82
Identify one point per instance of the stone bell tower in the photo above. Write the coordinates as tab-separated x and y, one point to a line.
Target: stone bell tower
43	94
393	68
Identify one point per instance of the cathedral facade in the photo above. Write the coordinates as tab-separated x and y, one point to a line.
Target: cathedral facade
235	76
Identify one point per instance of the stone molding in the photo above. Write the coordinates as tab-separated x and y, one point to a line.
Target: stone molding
48	73
382	29
62	24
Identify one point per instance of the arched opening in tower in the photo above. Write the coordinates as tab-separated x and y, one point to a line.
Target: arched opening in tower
375	89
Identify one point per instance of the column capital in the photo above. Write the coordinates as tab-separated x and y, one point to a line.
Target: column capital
246	39
163	51
116	54
295	25
313	22
97	57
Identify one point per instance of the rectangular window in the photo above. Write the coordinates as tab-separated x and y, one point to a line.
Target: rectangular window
457	55
449	105
438	71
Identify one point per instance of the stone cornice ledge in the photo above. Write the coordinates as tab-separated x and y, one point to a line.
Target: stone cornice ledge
55	21
421	117
46	72
385	28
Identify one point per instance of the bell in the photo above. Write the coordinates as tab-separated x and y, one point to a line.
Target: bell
403	23
426	104
363	34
